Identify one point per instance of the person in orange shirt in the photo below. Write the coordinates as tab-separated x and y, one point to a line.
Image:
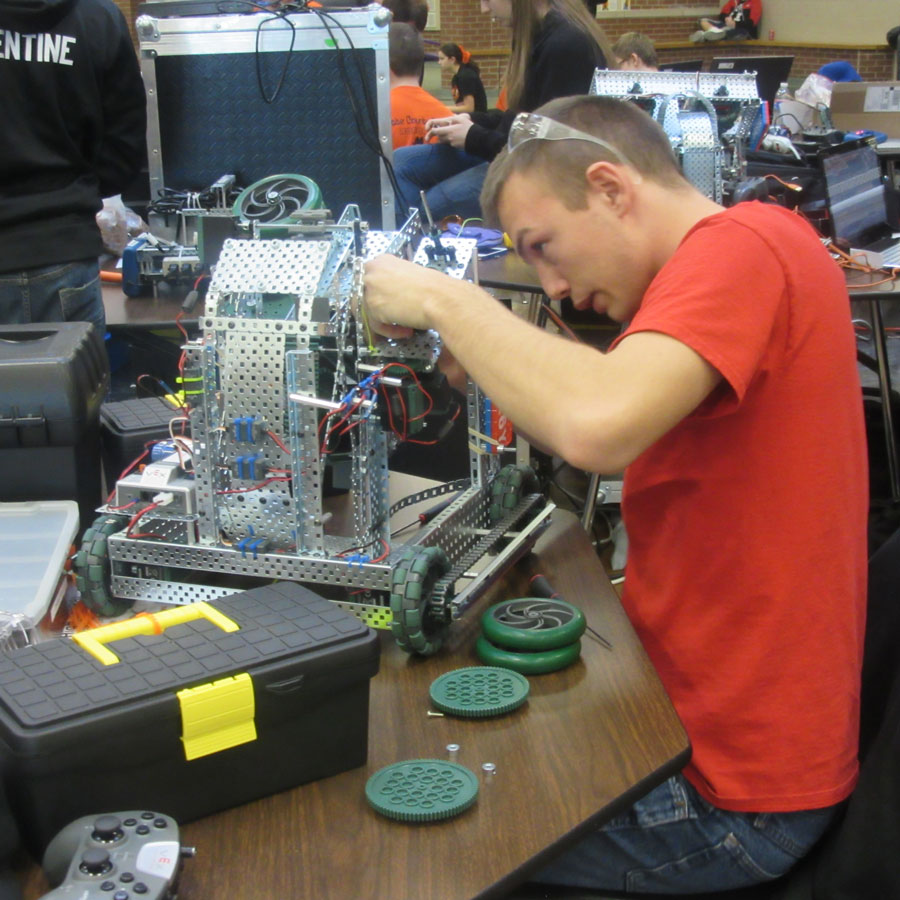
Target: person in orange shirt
411	105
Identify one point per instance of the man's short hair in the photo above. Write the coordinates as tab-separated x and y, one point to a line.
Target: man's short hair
406	53
562	164
638	44
415	12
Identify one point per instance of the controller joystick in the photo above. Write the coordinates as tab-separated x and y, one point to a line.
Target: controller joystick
127	856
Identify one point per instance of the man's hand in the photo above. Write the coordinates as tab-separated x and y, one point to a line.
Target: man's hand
395	295
452	130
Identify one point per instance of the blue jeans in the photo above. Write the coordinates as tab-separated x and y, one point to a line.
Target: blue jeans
451	179
67	292
673	842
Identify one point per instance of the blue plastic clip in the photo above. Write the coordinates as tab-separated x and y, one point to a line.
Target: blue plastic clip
255	546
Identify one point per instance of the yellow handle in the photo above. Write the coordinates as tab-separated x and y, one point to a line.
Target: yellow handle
147	623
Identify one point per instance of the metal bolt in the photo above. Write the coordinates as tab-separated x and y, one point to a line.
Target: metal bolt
489	770
432	713
452	752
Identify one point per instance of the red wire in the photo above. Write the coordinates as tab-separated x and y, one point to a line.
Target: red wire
436	440
133	521
278	441
255	487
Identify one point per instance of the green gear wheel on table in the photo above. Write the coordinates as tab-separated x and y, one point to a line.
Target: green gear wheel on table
422	790
415	628
508	487
479	691
538	662
92	570
533	623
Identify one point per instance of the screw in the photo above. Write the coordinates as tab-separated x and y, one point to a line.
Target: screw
432	713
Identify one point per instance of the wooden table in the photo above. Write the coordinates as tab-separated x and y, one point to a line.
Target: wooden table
142	312
590	740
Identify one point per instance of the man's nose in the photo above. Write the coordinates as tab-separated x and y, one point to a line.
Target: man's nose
555	286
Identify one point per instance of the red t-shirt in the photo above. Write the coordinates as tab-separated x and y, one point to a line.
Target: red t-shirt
411	108
746	575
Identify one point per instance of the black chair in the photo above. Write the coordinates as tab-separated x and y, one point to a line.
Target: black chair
859	856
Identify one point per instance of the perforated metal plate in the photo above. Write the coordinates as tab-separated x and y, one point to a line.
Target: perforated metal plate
270	267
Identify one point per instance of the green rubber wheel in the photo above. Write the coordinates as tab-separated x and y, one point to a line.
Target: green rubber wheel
510	484
415	628
422	790
479	691
92	569
539	662
533	623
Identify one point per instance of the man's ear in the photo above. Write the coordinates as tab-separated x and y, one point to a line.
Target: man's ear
611	184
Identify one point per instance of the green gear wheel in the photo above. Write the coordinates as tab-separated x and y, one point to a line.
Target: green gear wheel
422	790
415	629
538	662
510	484
92	571
479	691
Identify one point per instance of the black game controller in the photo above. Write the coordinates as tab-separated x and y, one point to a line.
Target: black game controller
118	856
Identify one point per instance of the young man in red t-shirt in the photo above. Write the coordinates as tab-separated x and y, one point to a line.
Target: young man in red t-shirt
732	402
411	105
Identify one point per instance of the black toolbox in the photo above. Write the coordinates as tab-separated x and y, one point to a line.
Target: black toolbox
53	378
232	700
127	426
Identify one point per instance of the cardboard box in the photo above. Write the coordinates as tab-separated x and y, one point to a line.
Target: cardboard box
872	105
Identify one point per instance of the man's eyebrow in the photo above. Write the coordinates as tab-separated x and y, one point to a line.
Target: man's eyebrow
520	239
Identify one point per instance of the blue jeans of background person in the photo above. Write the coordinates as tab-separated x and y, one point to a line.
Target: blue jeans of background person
673	842
451	179
64	292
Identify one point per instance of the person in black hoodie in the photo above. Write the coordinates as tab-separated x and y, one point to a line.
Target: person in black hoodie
74	126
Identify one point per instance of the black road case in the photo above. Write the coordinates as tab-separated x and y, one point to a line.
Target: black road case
263	94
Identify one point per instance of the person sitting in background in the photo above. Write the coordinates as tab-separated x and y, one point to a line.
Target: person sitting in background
411	105
556	46
738	20
415	12
465	85
634	50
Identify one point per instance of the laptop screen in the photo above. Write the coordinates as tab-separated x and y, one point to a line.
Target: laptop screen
770	71
855	191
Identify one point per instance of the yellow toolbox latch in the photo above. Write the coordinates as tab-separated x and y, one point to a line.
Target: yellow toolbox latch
217	715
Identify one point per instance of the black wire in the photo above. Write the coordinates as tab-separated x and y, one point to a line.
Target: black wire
373	143
287	60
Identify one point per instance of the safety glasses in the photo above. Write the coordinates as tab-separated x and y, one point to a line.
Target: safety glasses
534	127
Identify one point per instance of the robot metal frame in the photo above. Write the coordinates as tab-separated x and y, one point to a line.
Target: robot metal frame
288	394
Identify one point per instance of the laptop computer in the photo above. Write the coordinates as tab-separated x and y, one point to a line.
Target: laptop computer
855	194
770	71
687	65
